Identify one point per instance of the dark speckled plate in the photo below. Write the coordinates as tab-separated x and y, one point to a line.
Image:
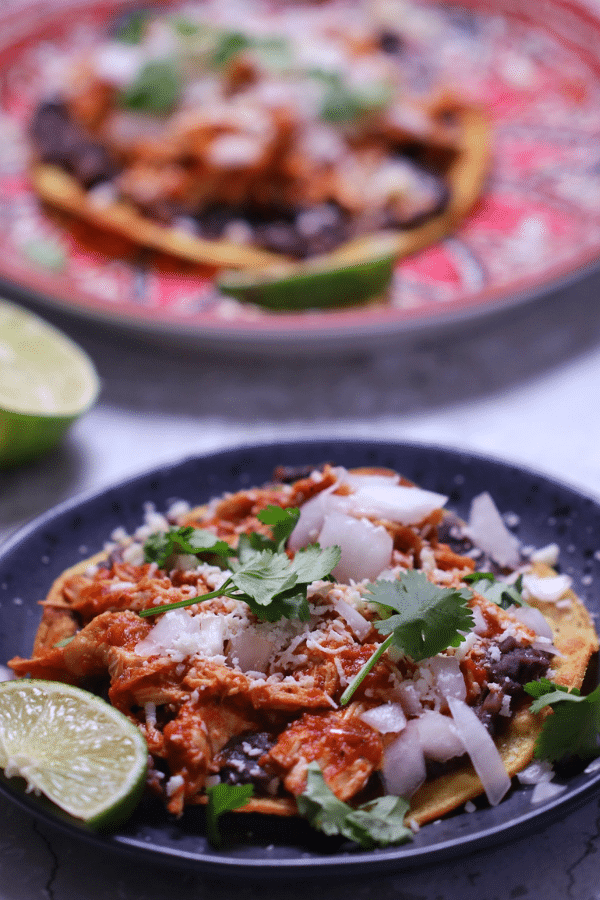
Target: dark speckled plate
258	846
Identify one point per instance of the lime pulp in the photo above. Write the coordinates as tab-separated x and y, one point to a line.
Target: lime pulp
72	747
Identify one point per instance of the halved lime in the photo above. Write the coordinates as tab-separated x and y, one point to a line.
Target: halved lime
359	273
46	382
73	747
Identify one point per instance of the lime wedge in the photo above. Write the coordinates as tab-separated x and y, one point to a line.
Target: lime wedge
363	272
71	746
46	382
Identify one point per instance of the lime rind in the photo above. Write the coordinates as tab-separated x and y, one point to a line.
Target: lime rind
74	748
46	382
323	283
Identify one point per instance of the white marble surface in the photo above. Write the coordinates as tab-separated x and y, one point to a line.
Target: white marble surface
522	386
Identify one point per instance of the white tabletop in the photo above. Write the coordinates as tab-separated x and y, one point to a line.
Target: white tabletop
522	386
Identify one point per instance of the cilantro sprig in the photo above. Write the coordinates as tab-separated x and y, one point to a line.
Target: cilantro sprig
262	575
377	823
498	592
223	798
574	726
422	619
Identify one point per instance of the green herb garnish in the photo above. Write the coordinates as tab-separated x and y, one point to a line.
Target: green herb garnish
193	541
223	798
342	104
130	28
156	89
262	575
498	592
377	823
574	726
427	619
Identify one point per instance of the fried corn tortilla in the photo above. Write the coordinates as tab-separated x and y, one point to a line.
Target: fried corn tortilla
465	178
81	593
299	135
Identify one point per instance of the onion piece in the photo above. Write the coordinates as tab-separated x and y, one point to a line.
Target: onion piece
482	751
250	650
403	769
366	548
548	590
357	622
534	619
179	635
388	718
310	521
449	679
488	532
395	502
438	736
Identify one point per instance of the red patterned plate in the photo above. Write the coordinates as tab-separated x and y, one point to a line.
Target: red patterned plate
536	69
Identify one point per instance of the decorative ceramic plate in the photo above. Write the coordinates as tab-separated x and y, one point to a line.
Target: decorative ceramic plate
261	847
535	68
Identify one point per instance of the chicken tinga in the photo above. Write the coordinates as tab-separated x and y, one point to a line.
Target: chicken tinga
334	644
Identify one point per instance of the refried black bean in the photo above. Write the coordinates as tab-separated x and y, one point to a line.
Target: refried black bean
59	141
239	760
516	665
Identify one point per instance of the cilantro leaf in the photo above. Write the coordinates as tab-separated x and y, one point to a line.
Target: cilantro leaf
223	798
429	618
378	823
574	726
315	563
156	89
273	585
498	592
282	521
191	540
262	575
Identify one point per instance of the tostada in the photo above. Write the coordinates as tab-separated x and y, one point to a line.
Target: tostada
335	642
257	134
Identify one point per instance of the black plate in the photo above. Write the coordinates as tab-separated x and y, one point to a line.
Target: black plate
260	846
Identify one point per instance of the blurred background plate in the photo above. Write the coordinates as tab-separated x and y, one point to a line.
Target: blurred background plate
535	68
260	847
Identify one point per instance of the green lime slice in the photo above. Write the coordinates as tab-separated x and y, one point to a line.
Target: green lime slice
356	275
46	382
80	752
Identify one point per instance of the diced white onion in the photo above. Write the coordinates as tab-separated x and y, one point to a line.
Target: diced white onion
548	590
488	531
403	769
546	790
179	635
482	751
534	619
250	650
548	554
409	698
438	736
449	679
118	63
310	522
395	502
366	548
377	496
357	622
538	771
388	718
